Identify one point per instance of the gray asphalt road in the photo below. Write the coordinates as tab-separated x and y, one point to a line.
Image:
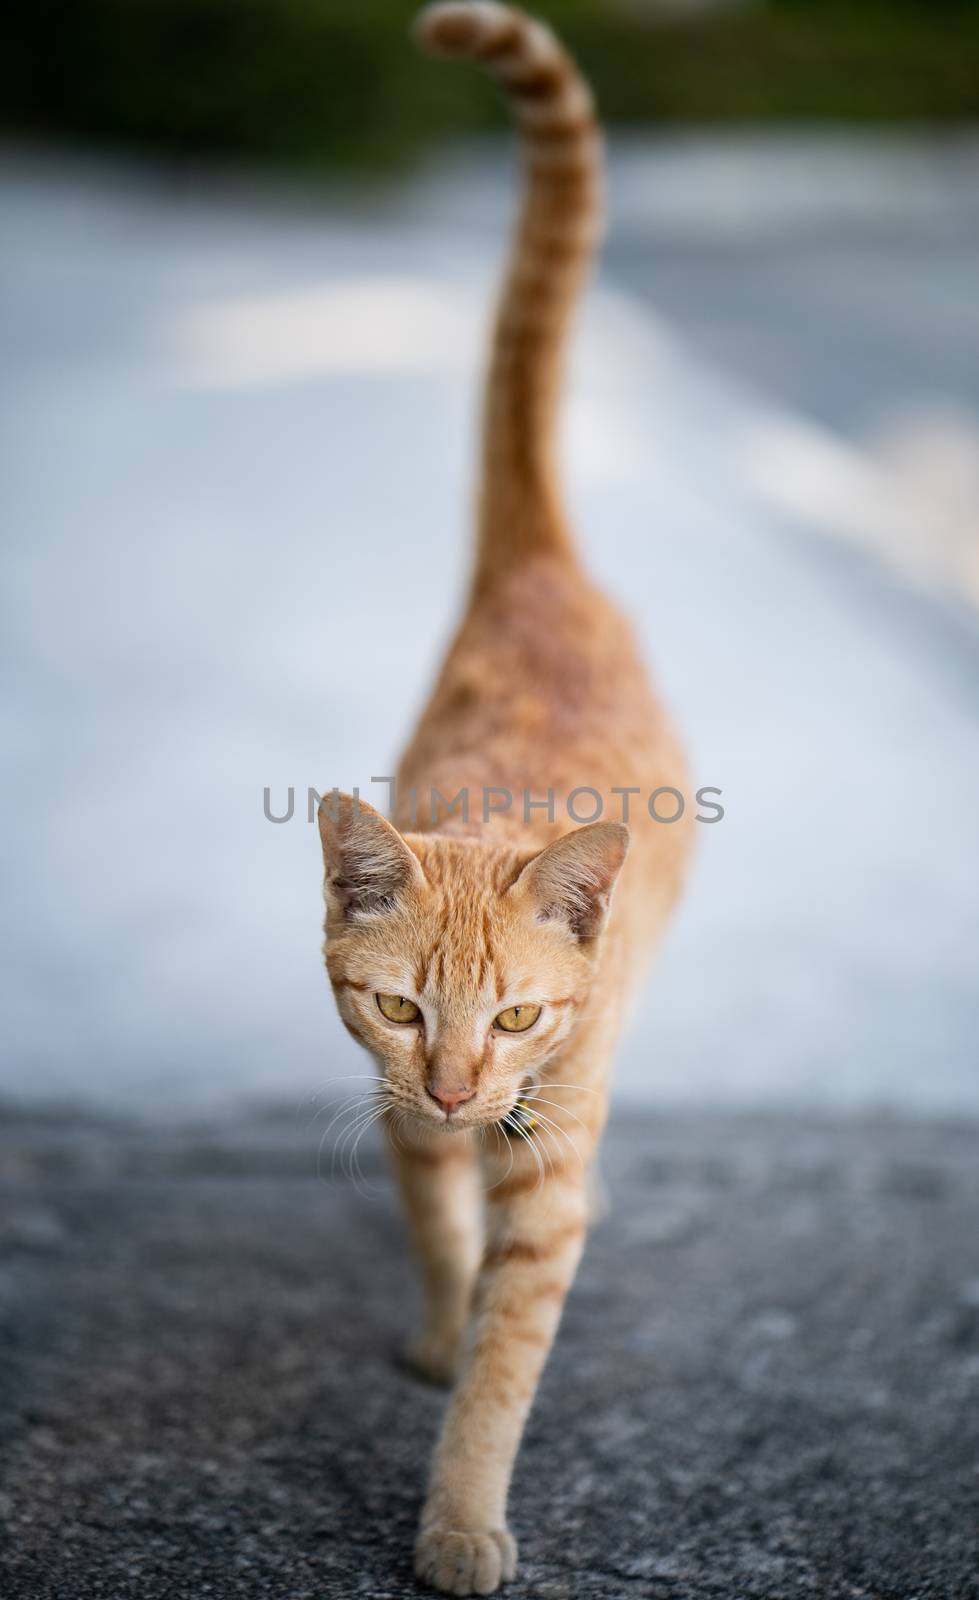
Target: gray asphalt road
840	327
765	1384
835	274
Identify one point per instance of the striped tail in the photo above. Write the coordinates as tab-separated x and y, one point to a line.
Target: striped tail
520	507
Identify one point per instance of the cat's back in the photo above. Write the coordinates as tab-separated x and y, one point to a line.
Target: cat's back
544	687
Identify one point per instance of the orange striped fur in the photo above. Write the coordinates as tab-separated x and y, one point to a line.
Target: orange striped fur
520	504
461	920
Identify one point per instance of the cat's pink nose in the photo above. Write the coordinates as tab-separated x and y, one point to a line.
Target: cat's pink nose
449	1099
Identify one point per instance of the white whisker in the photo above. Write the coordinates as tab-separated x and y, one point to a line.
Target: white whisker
509	1143
537	1101
549	1123
350	1108
351	1134
548	1084
355	1167
524	1133
351	1100
364	1106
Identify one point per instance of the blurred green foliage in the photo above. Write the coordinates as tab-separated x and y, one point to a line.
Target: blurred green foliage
333	83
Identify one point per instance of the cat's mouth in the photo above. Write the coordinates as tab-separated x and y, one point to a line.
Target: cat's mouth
519	1121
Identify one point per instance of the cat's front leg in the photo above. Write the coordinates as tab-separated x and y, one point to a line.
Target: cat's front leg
439	1180
535	1240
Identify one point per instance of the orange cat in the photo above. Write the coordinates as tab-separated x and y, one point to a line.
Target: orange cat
476	949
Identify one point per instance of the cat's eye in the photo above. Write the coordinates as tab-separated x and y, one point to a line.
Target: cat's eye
397	1009
517	1019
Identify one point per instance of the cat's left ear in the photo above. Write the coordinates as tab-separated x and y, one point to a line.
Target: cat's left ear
571	881
369	868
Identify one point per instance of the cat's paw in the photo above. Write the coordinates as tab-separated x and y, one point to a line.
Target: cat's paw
462	1561
434	1357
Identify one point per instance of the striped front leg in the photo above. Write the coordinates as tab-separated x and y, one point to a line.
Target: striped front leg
440	1188
535	1238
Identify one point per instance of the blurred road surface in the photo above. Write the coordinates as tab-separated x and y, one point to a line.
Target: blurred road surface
234	489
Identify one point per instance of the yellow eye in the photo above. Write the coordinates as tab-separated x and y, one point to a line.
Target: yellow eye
517	1019
397	1009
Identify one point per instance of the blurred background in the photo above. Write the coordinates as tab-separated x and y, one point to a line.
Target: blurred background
247	257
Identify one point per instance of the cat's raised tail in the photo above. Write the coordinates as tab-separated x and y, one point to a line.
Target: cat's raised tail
520	508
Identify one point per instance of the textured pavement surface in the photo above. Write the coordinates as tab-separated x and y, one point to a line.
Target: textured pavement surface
766	1383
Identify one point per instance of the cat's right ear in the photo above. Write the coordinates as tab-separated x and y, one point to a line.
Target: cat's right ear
368	867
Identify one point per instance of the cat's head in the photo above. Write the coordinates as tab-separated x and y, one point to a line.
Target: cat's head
461	965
